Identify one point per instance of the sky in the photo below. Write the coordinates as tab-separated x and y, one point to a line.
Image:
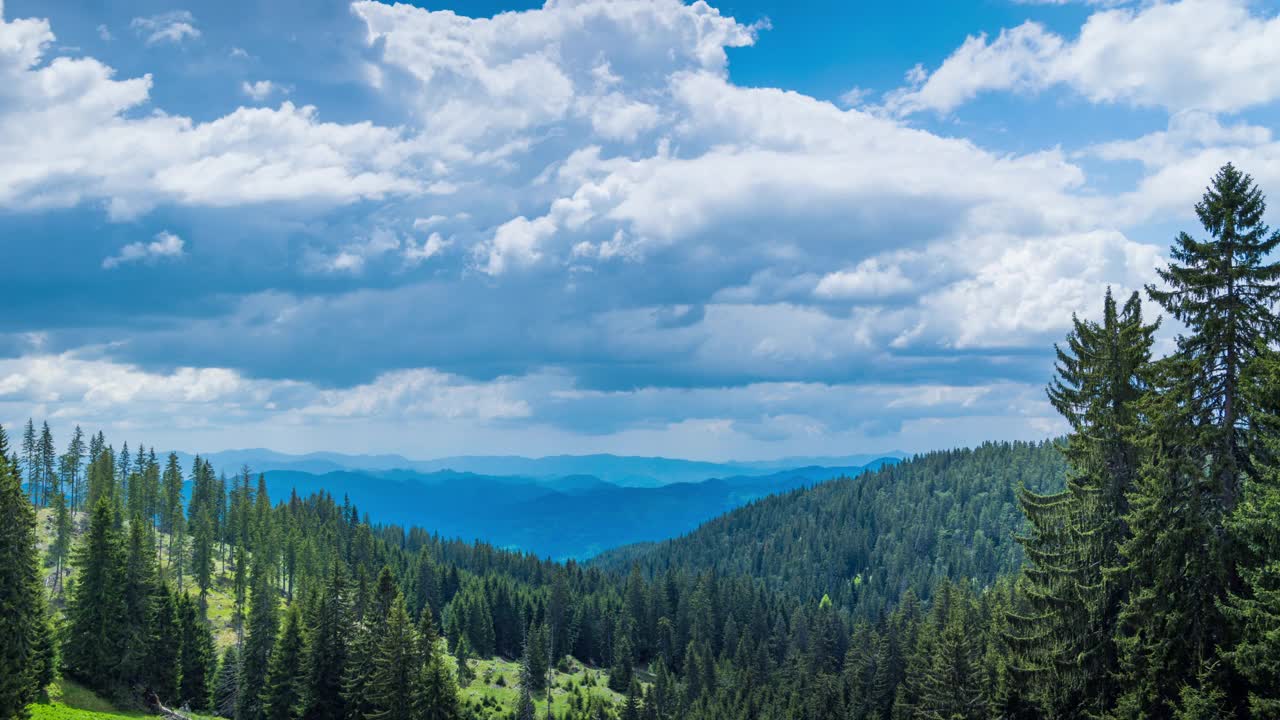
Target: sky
747	229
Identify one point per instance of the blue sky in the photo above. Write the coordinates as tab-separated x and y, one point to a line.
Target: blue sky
726	230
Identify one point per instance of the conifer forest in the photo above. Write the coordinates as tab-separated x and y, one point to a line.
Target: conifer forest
1129	569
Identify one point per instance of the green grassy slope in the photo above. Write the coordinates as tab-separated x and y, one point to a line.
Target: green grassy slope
492	693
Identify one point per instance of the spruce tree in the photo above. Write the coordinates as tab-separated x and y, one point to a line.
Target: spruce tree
327	651
60	548
283	694
96	638
226	687
1222	289
436	692
147	626
395	667
171	519
1196	453
525	709
1065	641
198	656
31	461
951	687
162	664
536	657
1255	610
23	627
260	640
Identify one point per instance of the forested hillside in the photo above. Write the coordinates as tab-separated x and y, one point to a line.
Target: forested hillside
1150	586
863	541
562	517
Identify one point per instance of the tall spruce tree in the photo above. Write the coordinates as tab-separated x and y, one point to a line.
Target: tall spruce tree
95	638
1179	560
435	691
197	658
255	659
226	686
1254	610
395	667
162	665
326	658
282	696
23	628
149	614
60	548
1223	290
1065	638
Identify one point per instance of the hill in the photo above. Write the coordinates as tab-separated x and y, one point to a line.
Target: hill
570	516
622	470
948	514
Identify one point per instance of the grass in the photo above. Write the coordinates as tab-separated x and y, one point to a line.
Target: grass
491	694
69	701
495	688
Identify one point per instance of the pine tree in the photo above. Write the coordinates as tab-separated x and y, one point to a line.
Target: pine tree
1197	451
951	688
435	693
283	694
31	461
95	637
47	457
148	626
327	649
162	665
524	705
23	627
462	655
60	548
73	462
197	657
1255	610
536	657
1065	642
260	640
226	687
171	519
1223	290
395	667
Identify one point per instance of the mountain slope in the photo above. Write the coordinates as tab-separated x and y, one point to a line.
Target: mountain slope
572	516
624	470
864	541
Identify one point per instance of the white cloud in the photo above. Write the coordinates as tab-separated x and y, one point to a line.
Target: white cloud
171	27
1216	55
78	386
433	245
165	245
70	132
869	280
259	90
488	78
105	33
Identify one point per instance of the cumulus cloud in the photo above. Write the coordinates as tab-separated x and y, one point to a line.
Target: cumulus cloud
171	27
70	131
645	253
165	245
1212	55
259	89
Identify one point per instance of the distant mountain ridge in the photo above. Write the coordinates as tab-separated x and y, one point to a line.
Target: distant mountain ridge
569	516
622	470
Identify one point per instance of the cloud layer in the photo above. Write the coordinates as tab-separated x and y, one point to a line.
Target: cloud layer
570	228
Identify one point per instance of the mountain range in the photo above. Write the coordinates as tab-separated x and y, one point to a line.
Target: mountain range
620	470
564	507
